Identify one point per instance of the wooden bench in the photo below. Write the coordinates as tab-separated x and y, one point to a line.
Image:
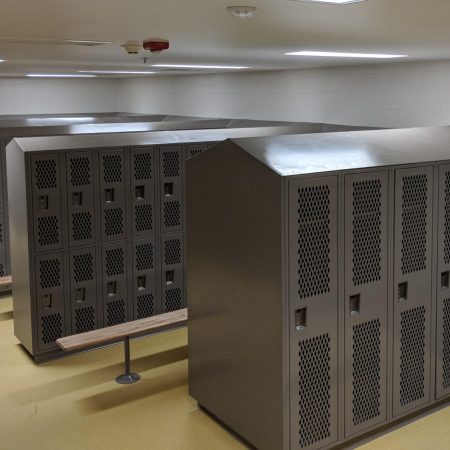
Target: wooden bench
5	282
148	326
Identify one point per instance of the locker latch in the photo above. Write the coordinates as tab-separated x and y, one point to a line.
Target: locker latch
355	304
170	276
80	295
111	288
300	319
403	292
445	280
47	301
77	198
140	191
109	195
43	202
168	189
141	282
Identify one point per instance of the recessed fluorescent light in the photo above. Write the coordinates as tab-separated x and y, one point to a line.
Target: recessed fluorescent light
2	60
58	75
112	72
192	66
345	55
334	2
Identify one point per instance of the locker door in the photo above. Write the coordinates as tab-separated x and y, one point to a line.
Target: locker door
80	198
3	265
443	286
172	273
412	288
171	188
366	300
46	191
49	300
195	149
313	299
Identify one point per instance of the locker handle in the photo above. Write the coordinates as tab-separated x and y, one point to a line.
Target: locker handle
140	192
403	292
168	189
77	199
300	319
43	202
170	276
109	195
47	301
445	280
355	305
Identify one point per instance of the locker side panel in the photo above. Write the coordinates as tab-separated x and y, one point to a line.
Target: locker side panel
412	288
366	300
195	149
313	299
3	257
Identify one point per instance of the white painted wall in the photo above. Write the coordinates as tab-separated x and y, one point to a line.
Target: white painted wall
391	95
51	96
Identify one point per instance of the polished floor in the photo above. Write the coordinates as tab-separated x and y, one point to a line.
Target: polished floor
74	403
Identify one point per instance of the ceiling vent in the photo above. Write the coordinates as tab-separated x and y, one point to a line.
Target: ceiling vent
242	12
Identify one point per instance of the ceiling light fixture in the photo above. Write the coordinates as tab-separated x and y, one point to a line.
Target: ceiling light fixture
345	55
58	75
334	2
242	12
2	60
39	41
113	72
193	66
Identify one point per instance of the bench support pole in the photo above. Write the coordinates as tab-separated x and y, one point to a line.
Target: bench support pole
128	377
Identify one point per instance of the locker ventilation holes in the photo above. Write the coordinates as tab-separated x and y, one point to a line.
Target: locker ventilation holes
143	217
447	219
172	252
143	166
49	273
113	221
51	328
84	319
46	174
171	164
144	257
80	171
116	312
145	306
172	214
446	345
173	299
83	267
115	261
112	168
81	226
48	230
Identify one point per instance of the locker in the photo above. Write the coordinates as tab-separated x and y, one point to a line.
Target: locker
412	288
143	192
313	304
113	195
80	198
145	300
195	149
171	188
172	276
46	185
366	300
3	263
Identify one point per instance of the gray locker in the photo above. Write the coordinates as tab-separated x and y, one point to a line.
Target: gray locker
313	303
172	276
171	187
115	284
46	185
195	149
145	298
443	286
80	198
366	300
3	260
412	285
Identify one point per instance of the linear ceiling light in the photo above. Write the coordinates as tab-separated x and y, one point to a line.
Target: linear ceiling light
192	66
2	60
334	2
345	55
113	72
58	75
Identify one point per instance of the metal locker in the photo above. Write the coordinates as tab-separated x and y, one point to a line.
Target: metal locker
412	288
83	278
46	192
142	191
366	300
115	285
172	272
443	286
313	303
80	198
195	149
171	188
112	195
50	309
145	299
3	264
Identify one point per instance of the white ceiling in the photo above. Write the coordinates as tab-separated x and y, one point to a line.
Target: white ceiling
202	32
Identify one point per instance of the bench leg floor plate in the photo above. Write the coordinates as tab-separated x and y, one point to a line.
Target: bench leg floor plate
128	378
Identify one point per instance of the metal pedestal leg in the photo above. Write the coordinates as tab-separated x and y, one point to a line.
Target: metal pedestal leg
127	377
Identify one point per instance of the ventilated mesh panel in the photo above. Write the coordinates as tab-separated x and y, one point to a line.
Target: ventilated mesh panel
83	267
143	166
115	261
80	171
314	371
2	270
46	174
113	221
143	216
414	223
112	168
48	230
51	328
195	152
115	312
173	299
145	306
172	252
144	256
366	371
172	214
49	273
366	232
81	226
171	164
84	319
412	355
447	219
313	241
1	233
446	345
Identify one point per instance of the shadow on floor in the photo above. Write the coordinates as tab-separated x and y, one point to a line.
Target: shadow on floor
7	315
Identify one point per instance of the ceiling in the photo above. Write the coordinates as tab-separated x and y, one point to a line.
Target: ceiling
203	32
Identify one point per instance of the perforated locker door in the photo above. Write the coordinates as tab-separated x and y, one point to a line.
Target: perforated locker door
50	309
143	191
172	272
366	300
195	149
3	264
80	198
443	287
412	287
313	302
46	194
115	287
83	290
112	194
171	188
145	298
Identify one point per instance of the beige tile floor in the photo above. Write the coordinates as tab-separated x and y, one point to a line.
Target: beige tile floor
74	403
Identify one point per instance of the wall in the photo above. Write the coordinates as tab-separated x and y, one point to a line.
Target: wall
49	96
391	95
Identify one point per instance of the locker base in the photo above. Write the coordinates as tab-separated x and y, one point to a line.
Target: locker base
128	378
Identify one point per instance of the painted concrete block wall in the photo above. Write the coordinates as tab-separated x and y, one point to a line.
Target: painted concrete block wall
49	96
391	95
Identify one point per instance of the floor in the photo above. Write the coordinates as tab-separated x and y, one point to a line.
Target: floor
74	403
